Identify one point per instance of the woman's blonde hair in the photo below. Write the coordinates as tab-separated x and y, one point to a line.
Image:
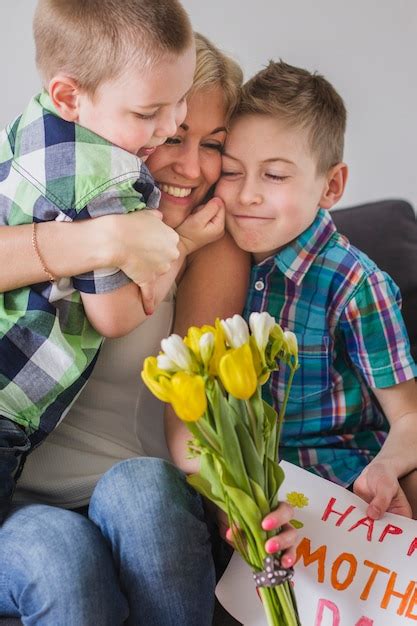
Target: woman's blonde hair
95	40
216	69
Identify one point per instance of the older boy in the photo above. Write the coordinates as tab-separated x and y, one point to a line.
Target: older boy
282	171
115	81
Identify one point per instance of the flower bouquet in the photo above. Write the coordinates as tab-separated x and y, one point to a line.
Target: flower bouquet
213	379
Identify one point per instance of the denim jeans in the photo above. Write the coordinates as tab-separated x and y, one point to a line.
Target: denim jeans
142	556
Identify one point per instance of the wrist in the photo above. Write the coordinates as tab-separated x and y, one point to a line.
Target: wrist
186	246
109	245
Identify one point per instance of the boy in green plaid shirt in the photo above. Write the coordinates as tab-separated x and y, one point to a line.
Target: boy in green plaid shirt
115	81
282	171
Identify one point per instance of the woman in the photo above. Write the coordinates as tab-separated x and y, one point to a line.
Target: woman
143	551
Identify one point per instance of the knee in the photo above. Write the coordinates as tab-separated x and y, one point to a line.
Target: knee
54	546
145	487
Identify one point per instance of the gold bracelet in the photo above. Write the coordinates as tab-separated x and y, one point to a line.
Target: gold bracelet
49	274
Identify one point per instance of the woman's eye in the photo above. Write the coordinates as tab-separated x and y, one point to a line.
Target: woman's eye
172	141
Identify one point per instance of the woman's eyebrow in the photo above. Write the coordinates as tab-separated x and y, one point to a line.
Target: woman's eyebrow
220	129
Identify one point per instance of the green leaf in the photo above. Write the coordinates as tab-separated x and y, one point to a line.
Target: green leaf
260	499
253	463
275	476
296	523
232	453
270	430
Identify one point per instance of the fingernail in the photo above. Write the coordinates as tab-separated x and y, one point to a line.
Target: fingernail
268	524
272	546
287	561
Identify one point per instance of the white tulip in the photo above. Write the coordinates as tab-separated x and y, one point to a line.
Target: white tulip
165	363
176	350
261	325
206	345
236	331
291	342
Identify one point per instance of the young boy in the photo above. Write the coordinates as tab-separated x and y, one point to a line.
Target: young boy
282	171
115	80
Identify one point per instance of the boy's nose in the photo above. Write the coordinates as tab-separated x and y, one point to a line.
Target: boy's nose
167	125
249	194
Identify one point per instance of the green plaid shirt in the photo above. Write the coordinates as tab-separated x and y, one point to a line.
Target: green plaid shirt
51	169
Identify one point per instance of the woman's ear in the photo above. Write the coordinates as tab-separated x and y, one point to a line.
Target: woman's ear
335	185
64	93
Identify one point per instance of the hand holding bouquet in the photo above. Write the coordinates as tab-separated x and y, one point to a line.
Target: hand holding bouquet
213	380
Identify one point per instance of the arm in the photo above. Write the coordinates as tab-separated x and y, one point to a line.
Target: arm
214	285
137	243
379	482
205	293
116	313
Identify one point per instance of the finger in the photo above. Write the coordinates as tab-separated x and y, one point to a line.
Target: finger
147	292
285	540
206	212
282	515
232	534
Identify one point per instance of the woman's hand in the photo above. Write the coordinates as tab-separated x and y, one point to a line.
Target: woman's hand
284	541
142	246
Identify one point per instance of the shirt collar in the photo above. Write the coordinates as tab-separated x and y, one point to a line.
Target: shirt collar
297	257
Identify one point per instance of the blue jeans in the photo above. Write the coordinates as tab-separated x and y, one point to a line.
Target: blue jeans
142	556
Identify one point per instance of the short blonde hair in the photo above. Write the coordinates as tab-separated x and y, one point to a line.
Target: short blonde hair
216	69
303	100
95	40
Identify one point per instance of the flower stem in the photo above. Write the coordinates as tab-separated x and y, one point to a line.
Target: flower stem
283	408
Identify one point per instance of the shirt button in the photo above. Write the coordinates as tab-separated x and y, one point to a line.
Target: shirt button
259	285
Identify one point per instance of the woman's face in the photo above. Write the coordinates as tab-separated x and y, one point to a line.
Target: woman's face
188	164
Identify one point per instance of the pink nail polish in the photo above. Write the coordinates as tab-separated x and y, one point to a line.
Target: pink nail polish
273	546
288	561
268	524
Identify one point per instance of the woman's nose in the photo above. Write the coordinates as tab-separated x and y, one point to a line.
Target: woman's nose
188	163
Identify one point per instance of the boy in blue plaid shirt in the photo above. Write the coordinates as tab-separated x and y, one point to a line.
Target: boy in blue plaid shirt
115	81
282	171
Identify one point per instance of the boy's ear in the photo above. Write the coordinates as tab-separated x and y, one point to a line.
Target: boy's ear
335	185
64	93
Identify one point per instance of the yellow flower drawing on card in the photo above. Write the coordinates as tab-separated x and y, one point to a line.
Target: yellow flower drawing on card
298	501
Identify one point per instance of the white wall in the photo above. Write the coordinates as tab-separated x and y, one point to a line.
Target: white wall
367	48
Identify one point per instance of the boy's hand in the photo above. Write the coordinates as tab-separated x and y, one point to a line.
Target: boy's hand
378	485
203	226
286	539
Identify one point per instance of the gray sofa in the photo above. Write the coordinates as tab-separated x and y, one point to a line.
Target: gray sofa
387	232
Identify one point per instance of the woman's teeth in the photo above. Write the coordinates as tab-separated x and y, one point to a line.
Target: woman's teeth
178	192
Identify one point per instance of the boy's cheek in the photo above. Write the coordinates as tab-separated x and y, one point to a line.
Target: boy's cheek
220	192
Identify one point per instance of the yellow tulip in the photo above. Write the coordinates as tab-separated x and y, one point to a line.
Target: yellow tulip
237	372
188	396
219	349
157	380
192	339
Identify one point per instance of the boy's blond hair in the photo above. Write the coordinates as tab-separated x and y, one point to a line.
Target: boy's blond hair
93	41
303	100
216	69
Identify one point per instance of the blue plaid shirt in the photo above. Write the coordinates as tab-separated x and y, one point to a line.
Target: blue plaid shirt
51	169
346	315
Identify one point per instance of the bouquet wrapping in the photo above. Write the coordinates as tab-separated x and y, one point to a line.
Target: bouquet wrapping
213	379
